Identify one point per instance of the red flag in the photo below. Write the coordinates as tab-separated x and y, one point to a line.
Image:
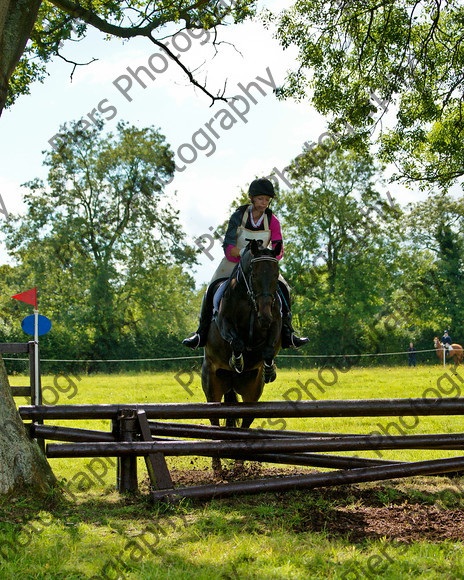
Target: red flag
30	297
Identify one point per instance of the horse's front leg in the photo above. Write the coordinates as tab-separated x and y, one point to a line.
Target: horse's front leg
229	333
270	369
216	461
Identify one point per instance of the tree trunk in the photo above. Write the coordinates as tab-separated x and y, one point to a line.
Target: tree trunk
23	467
17	18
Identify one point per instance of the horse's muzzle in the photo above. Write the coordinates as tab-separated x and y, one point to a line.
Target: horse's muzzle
265	320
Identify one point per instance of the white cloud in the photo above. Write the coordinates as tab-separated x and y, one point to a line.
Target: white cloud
274	133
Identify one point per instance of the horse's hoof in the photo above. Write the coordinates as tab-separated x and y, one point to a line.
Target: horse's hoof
217	467
270	373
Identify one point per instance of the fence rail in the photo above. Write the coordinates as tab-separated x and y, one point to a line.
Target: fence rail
328	408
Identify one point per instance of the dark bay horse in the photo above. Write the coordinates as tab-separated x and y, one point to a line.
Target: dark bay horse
456	354
245	334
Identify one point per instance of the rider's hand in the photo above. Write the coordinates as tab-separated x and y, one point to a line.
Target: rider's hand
235	252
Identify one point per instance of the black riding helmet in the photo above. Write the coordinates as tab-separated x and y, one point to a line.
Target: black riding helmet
261	186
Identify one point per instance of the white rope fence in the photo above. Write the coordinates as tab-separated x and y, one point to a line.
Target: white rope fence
201	356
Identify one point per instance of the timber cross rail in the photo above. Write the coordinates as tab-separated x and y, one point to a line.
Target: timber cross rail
133	435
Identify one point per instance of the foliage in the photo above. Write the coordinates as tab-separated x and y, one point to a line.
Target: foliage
101	240
437	226
408	54
341	249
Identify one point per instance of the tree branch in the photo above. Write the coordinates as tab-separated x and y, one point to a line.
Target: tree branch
91	18
187	72
77	11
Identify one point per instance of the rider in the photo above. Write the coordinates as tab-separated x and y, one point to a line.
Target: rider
250	221
446	342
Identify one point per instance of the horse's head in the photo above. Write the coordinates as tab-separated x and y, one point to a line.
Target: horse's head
436	342
261	270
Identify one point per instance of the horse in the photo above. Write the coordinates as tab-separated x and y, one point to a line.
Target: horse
245	334
456	353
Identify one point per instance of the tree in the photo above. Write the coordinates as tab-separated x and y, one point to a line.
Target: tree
340	244
360	58
33	31
101	240
436	226
23	468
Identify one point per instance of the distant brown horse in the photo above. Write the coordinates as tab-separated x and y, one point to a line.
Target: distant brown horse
245	335
456	354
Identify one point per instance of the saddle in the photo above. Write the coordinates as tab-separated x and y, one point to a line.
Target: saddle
219	290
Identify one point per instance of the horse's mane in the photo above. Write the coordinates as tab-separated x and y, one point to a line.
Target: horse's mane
244	258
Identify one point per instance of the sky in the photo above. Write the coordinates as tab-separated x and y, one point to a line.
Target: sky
219	149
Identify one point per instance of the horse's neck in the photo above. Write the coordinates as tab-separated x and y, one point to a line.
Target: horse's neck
235	298
237	287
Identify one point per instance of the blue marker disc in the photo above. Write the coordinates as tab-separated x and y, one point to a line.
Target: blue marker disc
28	324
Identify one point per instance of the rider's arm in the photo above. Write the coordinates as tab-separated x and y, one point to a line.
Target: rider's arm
231	237
276	234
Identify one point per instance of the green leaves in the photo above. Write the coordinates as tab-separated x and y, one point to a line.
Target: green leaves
102	238
408	53
341	243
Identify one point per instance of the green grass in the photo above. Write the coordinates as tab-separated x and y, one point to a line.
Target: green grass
93	532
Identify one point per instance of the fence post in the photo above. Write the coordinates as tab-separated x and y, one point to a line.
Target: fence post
156	462
36	385
127	466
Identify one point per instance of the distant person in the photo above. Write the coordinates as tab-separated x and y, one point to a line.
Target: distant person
446	342
412	355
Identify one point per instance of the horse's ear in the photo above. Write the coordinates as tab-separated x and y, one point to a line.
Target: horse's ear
277	248
254	247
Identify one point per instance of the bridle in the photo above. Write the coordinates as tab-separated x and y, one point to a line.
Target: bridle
249	282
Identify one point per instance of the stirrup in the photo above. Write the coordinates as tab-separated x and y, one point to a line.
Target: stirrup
192	342
297	341
237	363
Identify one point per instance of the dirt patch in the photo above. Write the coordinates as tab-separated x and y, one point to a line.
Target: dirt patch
189	477
408	523
355	512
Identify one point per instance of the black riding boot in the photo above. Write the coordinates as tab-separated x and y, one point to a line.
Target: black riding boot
199	337
289	337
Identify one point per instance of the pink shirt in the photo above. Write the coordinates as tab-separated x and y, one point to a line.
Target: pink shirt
276	236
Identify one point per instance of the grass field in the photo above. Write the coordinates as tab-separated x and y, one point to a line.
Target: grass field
403	529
